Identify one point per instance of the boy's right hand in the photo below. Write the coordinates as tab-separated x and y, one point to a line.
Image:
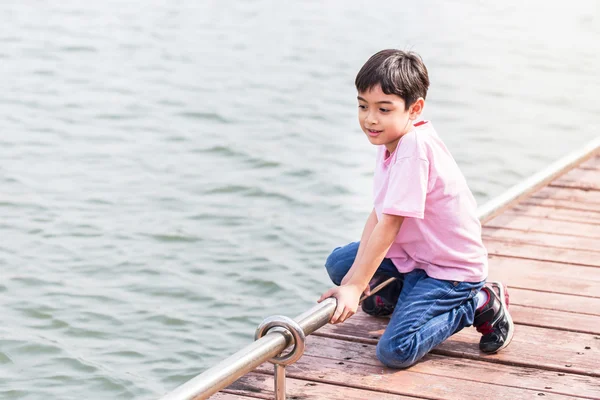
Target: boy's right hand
347	301
346	279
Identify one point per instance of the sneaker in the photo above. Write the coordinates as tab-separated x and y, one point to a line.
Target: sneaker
493	320
383	302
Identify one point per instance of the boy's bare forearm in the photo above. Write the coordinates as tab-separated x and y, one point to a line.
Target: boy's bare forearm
367	231
364	239
376	248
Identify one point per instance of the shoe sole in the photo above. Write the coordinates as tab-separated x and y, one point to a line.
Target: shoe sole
511	326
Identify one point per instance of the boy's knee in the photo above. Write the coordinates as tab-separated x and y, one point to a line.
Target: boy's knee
332	267
331	259
339	262
397	356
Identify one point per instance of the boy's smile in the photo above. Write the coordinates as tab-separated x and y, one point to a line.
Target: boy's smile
384	118
373	133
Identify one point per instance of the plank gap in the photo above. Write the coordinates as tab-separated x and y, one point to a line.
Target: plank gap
549	308
558	328
490	224
557	207
574	186
559	218
553	292
490	237
513	363
543	260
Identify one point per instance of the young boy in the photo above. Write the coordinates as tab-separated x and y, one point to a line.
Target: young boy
423	229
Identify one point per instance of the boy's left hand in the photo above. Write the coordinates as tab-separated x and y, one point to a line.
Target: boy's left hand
347	297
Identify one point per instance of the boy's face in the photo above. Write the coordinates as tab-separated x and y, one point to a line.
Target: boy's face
383	117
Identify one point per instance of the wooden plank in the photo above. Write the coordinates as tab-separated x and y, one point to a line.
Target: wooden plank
378	379
535	347
566	198
229	396
556	319
546	276
586	179
355	364
564	204
541	239
592	163
533	224
544	253
558	214
261	384
568	194
555	301
532	347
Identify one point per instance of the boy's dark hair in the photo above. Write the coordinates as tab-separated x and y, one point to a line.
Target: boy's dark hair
398	72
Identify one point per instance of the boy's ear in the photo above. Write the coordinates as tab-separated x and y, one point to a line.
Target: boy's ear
417	108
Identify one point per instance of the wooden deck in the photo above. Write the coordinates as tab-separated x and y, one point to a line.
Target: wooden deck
547	249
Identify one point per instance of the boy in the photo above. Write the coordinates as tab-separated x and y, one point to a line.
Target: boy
423	229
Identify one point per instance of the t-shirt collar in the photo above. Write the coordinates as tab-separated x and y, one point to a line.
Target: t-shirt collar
387	158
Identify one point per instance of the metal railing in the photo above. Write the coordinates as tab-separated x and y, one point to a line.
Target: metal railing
250	357
521	190
279	332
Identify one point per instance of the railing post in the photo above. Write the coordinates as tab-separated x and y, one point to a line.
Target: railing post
287	324
279	382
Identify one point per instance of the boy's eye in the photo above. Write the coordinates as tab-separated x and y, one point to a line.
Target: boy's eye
384	110
362	107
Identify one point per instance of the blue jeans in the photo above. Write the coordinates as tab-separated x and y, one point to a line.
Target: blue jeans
428	311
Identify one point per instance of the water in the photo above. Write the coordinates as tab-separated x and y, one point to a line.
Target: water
172	172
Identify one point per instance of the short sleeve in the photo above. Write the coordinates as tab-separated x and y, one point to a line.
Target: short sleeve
407	188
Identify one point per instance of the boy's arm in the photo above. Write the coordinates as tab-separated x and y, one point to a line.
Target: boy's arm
364	239
381	239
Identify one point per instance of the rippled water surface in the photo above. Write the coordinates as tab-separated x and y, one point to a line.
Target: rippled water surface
172	172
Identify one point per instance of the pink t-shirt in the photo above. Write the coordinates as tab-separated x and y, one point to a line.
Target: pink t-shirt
441	233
